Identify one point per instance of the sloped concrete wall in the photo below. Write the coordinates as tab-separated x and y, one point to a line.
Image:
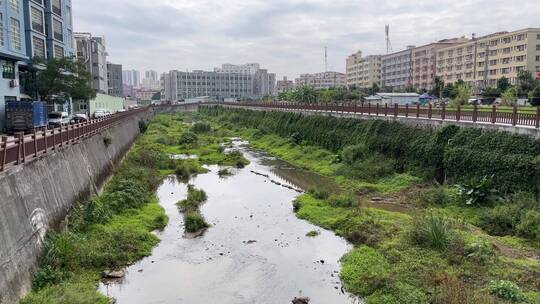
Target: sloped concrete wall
38	195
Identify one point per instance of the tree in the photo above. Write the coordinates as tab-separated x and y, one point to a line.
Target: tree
503	84
491	93
510	96
306	94
58	79
438	87
526	83
464	92
534	96
449	91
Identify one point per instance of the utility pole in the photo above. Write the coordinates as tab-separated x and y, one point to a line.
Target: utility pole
325	59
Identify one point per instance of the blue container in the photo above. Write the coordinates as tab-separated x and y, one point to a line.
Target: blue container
24	116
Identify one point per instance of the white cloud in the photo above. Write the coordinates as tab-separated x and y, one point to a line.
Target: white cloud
287	37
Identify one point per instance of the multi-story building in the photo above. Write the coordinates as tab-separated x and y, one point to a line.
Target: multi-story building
31	29
284	85
396	70
151	74
151	80
325	80
248	68
132	78
92	52
114	79
179	86
363	72
482	61
424	62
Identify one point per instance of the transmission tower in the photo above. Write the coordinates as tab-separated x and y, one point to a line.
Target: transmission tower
388	43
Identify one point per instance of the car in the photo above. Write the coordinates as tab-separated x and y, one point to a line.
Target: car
99	113
78	118
57	119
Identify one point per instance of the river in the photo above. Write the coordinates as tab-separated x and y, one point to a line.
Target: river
256	251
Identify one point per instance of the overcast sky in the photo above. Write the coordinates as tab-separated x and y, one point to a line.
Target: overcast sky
285	36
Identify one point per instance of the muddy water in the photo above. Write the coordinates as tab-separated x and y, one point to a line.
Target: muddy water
255	252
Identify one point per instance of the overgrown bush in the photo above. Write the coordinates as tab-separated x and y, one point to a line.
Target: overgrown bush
194	222
234	158
107	141
364	271
188	138
431	231
143	126
372	168
346	200
506	290
352	154
201	127
529	225
436	196
399	293
319	194
187	167
501	220
479	193
454	291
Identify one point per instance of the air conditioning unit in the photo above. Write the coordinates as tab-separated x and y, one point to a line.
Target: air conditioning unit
14	83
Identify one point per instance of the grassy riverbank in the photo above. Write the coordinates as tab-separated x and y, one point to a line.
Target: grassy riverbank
473	246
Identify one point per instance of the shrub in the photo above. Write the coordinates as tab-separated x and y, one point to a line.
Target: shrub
319	194
194	222
201	127
399	293
437	196
506	290
529	226
185	168
143	126
455	291
224	172
45	276
343	200
188	138
352	154
501	220
296	205
295	138
312	233
364	271
479	193
234	158
194	199
431	231
371	169
481	252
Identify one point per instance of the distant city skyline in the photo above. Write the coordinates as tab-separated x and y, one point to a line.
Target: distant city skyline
286	36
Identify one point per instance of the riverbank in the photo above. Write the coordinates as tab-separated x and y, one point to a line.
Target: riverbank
441	250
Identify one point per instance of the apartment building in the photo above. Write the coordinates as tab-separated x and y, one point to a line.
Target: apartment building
325	80
229	81
396	69
92	52
284	85
114	79
482	61
363	72
424	62
132	78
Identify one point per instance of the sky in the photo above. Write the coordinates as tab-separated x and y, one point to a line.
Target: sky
286	37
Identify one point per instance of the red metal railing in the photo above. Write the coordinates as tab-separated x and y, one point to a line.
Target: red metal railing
18	149
476	115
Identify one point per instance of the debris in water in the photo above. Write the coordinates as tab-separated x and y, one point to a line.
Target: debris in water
301	300
113	274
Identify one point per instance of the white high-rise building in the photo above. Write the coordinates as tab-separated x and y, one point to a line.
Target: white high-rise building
132	78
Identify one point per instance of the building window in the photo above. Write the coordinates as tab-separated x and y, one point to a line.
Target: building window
58	31
538	47
58	51
15	27
8	70
2	30
15	4
70	39
37	20
39	47
57	7
68	16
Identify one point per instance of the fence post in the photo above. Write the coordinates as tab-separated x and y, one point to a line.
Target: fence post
475	112
45	139
493	114
385	109
377	113
514	115
369	108
396	110
18	137
35	143
443	114
417	110
53	140
355	105
406	110
430	111
4	152
362	108
458	113
537	117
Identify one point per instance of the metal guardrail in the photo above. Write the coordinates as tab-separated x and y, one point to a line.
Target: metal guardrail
18	149
475	115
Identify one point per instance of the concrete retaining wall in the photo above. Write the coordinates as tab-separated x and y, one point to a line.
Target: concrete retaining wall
39	194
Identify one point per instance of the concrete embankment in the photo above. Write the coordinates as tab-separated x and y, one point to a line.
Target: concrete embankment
37	196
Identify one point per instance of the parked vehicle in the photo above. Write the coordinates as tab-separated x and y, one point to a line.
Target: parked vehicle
23	116
78	118
99	113
57	119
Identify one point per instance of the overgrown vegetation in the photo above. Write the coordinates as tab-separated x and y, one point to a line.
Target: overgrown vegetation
476	192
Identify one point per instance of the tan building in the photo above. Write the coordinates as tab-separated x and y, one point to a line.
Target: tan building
424	62
363	72
480	62
323	80
284	85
